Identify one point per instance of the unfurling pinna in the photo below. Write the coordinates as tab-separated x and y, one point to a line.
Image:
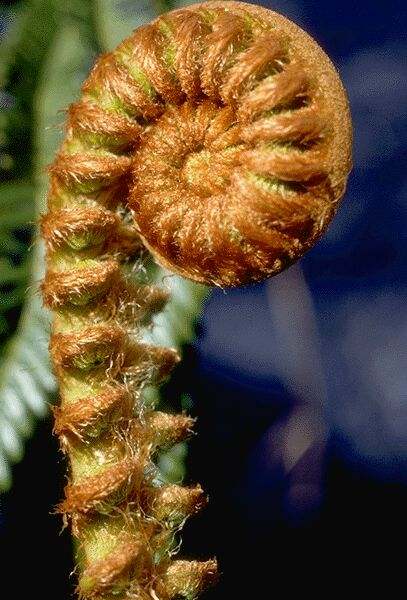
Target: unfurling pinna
218	139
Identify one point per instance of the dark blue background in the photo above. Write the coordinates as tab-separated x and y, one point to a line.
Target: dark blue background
300	384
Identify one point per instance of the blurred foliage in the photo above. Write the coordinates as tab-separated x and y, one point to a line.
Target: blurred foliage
46	49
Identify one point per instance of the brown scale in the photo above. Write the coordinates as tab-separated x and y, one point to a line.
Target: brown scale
113	131
226	130
82	418
76	169
74	286
251	65
173	502
101	576
111	85
66	227
95	492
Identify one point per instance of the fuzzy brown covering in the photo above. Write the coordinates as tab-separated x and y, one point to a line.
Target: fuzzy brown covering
225	129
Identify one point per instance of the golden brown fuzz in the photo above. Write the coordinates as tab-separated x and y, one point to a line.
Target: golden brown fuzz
240	177
219	138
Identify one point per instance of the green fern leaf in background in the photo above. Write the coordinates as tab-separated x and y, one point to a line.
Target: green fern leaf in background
26	382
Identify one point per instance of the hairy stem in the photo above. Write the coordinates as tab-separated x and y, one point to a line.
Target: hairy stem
223	141
124	517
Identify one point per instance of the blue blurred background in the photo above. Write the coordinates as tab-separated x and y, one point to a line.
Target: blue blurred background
300	383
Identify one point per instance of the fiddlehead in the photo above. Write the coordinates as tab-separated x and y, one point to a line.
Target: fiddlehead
226	131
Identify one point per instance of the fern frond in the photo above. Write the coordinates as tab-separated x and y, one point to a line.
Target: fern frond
25	384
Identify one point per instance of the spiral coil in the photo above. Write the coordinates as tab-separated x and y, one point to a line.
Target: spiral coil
226	131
